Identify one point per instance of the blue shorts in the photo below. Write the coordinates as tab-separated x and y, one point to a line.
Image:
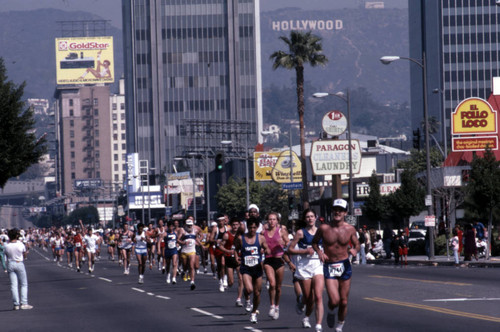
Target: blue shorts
254	271
169	253
341	270
141	251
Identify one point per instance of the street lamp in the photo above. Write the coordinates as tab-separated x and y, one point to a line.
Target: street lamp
421	63
247	180
347	98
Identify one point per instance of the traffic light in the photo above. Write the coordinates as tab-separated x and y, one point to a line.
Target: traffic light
416	139
219	162
291	201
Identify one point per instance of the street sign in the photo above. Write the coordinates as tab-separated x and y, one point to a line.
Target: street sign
292	185
358	212
351	220
334	123
430	221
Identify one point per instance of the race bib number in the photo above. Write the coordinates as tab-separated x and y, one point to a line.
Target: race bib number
78	244
251	261
336	269
171	245
190	242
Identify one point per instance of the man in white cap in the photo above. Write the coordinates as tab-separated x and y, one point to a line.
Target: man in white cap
339	239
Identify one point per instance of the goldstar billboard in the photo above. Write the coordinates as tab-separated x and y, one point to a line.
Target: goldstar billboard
84	60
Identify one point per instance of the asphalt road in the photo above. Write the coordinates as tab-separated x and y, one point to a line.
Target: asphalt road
383	298
11	217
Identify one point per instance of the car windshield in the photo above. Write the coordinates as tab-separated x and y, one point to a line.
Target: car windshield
416	234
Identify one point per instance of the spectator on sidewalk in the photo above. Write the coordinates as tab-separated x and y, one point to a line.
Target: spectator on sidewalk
16	252
480	230
454	245
469	243
387	239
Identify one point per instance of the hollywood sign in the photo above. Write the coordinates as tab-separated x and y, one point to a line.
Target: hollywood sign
307	25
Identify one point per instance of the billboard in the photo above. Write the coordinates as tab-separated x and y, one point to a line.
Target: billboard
263	165
84	60
331	157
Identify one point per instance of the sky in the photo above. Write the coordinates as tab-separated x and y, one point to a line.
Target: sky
111	9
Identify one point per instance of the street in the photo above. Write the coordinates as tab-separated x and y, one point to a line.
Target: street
383	298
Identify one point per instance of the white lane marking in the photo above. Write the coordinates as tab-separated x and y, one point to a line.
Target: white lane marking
138	290
163	297
252	329
108	280
206	313
463	299
151	294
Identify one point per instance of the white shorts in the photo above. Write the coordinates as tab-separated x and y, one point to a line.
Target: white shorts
308	268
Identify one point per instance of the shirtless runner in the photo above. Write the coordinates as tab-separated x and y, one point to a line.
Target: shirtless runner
335	257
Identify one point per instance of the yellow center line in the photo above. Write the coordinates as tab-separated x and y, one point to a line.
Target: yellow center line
435	309
424	281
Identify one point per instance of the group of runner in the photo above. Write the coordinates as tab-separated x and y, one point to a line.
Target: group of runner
318	256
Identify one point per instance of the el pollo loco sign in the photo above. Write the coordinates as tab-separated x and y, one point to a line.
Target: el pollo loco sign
472	120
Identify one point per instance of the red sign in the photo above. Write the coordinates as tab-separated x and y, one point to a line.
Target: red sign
478	143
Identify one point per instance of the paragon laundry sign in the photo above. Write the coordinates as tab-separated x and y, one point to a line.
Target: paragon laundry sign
331	157
84	60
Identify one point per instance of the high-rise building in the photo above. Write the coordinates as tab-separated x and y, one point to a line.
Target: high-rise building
84	140
192	71
118	136
460	39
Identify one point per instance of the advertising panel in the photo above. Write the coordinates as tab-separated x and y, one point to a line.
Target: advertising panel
263	165
476	143
474	116
284	166
329	157
84	60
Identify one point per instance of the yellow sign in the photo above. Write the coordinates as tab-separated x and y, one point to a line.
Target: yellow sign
263	165
284	167
474	116
84	60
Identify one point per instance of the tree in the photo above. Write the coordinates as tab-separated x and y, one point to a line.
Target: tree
303	47
409	199
19	147
375	207
483	189
231	198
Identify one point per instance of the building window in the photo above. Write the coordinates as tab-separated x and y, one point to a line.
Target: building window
73	175
96	133
122	116
122	106
73	165
71	123
72	154
71	144
123	136
96	112
97	154
115	157
122	126
70	112
96	123
116	177
113	106
115	126
71	102
124	157
124	146
115	146
72	134
116	167
115	137
96	101
115	117
97	164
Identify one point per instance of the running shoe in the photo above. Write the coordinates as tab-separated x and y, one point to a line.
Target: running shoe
305	323
90	270
239	303
330	319
168	278
276	313
253	318
16	307
184	277
319	328
224	281
163	270
338	326
221	288
271	311
174	281
248	306
26	307
141	279
193	286
78	269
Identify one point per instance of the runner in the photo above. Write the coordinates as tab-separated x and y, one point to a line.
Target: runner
78	240
69	247
151	244
160	246
309	270
276	237
188	238
250	246
216	238
171	256
125	245
90	240
335	257
141	240
111	241
232	265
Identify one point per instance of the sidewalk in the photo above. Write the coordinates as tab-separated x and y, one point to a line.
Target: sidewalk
442	261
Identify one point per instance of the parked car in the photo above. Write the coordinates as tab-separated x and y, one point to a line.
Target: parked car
416	234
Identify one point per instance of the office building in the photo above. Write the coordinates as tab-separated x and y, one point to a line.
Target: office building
461	41
192	77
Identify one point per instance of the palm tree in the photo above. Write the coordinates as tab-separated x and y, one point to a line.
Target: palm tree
303	47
